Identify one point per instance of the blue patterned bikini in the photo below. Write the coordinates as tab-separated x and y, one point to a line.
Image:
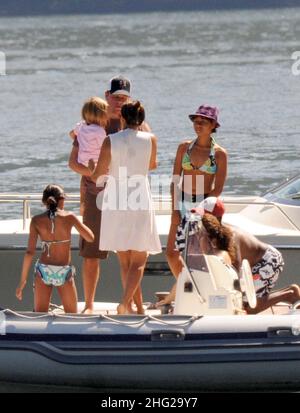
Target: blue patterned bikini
56	275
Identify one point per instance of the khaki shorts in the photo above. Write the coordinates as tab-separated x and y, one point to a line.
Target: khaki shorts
92	219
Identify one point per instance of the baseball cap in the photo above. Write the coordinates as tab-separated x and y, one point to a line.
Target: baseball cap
119	85
212	205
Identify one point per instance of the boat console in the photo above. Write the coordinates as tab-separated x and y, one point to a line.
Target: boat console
208	286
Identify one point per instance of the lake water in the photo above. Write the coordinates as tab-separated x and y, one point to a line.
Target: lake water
239	61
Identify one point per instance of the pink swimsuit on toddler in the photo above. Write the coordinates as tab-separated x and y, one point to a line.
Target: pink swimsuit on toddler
90	139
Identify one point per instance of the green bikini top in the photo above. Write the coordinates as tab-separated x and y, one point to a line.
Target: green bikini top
209	166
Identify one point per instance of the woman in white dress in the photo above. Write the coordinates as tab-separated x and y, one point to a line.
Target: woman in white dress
128	219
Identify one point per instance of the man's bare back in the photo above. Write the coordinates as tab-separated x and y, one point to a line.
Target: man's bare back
247	247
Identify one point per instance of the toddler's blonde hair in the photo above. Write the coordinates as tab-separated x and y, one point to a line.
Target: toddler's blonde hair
94	111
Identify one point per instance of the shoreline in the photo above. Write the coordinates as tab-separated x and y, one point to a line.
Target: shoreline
70	7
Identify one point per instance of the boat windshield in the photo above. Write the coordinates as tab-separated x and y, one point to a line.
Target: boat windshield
287	193
194	257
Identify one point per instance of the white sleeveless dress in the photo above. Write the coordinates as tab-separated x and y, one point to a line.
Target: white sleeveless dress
128	218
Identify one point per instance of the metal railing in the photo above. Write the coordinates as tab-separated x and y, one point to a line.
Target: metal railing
27	199
162	203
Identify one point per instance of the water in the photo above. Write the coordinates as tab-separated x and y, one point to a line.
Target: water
237	60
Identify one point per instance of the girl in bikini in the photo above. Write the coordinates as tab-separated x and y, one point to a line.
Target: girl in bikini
199	171
53	227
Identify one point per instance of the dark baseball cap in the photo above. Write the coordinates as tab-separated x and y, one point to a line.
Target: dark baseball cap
119	85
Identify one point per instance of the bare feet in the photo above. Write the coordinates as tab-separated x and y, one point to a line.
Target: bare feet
136	309
132	311
87	310
140	310
165	301
121	309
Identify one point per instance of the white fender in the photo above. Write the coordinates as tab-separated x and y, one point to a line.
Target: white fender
247	283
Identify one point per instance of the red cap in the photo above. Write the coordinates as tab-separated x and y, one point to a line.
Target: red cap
212	205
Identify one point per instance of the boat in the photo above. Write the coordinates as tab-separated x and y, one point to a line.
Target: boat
273	217
166	352
208	342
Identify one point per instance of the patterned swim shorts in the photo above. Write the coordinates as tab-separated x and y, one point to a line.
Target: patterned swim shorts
266	271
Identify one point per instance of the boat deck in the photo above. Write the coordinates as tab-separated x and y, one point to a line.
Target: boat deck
278	309
111	309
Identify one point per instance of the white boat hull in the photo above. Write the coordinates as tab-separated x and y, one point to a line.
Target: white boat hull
273	219
171	353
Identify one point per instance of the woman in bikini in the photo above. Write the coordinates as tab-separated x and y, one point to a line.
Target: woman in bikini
200	169
53	227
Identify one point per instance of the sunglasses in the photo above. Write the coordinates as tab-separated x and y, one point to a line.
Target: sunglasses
201	122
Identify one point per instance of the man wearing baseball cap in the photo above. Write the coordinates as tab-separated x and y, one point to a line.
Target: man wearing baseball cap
266	262
116	95
120	85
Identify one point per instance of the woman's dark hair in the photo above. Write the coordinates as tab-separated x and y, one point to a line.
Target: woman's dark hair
221	234
214	130
51	196
133	113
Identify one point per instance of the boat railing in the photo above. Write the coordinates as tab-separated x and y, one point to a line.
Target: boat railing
27	199
162	203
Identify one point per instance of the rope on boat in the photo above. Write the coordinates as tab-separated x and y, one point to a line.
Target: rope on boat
73	317
104	317
50	313
9	311
152	318
125	323
171	323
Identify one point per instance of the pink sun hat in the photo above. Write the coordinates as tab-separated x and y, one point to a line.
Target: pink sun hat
210	112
